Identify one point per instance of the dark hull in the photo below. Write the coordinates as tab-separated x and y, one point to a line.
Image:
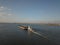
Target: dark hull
23	27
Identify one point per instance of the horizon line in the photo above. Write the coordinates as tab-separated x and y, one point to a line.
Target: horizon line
30	23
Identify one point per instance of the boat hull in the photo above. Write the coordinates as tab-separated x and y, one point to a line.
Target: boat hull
23	27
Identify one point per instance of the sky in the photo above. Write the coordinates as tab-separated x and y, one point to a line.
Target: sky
30	11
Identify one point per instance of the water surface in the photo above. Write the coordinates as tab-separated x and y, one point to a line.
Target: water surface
10	34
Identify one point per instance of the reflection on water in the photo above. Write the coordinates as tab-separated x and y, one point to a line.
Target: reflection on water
10	34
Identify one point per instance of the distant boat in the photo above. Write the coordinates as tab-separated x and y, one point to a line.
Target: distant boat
25	27
31	30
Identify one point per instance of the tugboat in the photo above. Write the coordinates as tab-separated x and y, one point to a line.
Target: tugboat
25	27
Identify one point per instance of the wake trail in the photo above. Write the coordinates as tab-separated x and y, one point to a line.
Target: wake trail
37	33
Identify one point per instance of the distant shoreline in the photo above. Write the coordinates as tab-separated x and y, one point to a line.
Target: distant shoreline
53	24
49	24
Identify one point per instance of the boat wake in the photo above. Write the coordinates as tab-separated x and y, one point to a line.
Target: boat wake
31	30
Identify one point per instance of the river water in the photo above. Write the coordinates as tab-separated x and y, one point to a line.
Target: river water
10	34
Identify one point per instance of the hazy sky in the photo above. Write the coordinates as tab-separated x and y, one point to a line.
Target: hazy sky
30	11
